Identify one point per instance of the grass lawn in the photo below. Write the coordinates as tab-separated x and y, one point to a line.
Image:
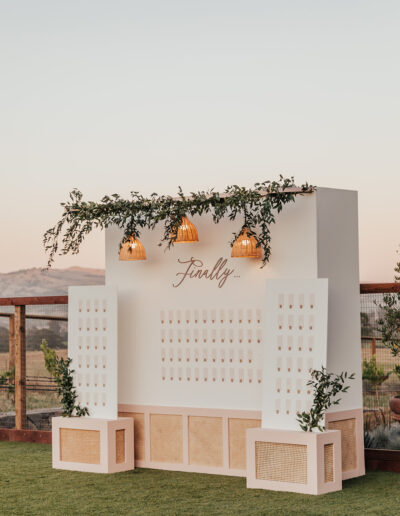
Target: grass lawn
28	485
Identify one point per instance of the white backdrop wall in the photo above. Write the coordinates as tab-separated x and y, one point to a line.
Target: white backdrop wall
166	357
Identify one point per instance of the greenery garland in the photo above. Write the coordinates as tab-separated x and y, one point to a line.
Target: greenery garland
257	206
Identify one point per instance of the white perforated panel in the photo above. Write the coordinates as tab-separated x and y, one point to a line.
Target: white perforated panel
92	345
211	345
295	344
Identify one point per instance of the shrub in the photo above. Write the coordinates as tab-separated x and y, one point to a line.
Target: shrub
371	372
383	437
62	373
8	378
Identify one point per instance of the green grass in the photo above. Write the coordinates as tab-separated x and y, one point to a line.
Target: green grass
28	485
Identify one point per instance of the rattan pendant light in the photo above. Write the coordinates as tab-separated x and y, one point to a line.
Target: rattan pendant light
245	246
133	249
187	232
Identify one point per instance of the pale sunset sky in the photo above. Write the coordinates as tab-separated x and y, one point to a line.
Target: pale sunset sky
114	96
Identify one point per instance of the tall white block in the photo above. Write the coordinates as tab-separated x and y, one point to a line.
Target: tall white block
93	347
295	344
338	260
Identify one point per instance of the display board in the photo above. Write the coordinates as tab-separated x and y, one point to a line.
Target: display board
93	347
295	343
189	334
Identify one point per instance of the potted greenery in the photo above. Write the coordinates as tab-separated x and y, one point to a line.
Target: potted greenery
326	387
389	326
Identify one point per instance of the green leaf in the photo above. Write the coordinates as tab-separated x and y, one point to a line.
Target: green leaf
62	373
325	386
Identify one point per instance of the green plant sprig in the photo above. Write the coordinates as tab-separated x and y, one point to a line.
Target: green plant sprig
62	373
257	206
7	378
326	386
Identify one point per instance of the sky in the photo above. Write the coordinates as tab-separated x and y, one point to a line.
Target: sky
130	95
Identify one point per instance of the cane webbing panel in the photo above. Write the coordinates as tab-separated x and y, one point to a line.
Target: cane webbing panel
139	432
120	446
237	440
206	441
281	462
328	462
347	429
166	438
80	445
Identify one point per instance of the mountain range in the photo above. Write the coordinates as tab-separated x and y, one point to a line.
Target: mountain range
52	282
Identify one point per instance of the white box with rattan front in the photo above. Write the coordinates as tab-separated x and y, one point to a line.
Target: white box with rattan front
287	460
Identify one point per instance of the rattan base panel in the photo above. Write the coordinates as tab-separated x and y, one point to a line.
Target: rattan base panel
92	445
287	460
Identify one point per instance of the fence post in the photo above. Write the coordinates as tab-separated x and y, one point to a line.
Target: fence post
20	367
11	342
373	346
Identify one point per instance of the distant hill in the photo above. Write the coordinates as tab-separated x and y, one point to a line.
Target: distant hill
53	282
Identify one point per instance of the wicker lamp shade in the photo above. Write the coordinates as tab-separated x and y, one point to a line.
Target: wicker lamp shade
133	249
187	232
245	246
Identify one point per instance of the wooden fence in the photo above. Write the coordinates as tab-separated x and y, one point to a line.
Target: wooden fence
17	343
17	338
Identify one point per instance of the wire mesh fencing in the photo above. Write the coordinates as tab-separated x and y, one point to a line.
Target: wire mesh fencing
376	393
49	322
